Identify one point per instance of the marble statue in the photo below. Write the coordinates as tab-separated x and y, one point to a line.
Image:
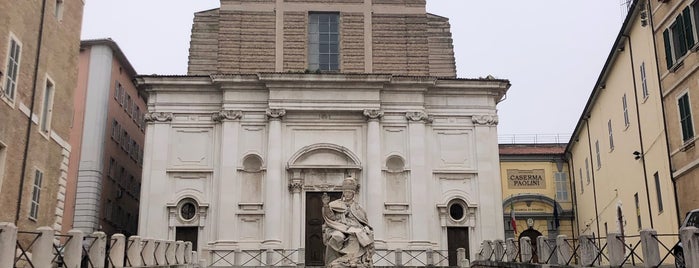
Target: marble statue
348	238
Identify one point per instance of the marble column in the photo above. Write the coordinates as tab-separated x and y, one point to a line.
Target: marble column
420	205
295	188
225	225
375	199
273	185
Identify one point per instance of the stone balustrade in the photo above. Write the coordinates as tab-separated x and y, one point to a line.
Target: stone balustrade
47	249
648	249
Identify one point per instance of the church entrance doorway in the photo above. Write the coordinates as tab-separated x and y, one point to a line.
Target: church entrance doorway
187	234
457	237
315	250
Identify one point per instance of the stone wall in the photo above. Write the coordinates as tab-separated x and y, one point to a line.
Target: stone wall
352	43
295	31
400	44
441	45
203	47
246	41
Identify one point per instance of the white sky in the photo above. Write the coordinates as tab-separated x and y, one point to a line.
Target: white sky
551	50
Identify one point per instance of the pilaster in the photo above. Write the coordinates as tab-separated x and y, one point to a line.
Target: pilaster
273	184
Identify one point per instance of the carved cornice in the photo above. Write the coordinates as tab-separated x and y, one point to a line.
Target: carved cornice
295	187
485	119
373	114
418	116
227	115
157	117
275	114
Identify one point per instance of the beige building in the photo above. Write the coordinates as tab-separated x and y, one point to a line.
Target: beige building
39	44
104	174
675	25
535	178
618	154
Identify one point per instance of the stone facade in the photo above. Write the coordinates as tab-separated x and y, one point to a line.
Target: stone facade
47	150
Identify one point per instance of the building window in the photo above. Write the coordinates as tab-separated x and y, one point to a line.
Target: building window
587	170
47	107
644	82
658	193
14	52
3	156
582	187
638	210
561	186
59	10
112	168
323	42
127	105
679	38
36	195
599	158
685	117
611	134
625	107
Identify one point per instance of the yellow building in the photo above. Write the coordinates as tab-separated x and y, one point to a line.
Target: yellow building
533	176
618	153
676	29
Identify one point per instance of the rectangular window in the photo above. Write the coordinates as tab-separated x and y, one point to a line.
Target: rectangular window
678	38
127	105
59	10
117	91
658	193
112	168
587	170
323	42
108	210
638	210
561	186
47	107
3	156
599	158
36	195
582	187
611	134
137	115
644	82
685	117
625	107
14	52
115	130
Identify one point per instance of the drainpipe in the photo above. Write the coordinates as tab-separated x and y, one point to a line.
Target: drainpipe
592	169
640	133
31	111
571	170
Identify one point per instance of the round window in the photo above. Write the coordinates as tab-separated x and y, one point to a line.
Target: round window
188	210
456	211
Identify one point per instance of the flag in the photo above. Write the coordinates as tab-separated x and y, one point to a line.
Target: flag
556	223
513	221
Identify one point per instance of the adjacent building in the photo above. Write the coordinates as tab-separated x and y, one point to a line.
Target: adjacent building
618	154
284	99
675	28
39	44
107	136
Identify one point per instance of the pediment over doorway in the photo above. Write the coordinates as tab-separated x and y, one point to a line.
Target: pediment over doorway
324	155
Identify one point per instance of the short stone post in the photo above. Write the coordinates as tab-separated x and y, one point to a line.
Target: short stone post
170	248
160	248
429	257
525	249
8	239
301	257
488	250
563	250
133	252
650	247
117	249
615	248
269	261
511	250
690	246
399	257
73	249
461	259
188	253
588	251
179	252
499	250
42	251
148	252
543	249
97	250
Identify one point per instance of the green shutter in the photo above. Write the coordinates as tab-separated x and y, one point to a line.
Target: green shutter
688	30
668	49
680	38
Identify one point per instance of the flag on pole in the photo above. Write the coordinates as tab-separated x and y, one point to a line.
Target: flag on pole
513	221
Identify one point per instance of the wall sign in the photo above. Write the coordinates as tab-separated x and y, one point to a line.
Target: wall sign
526	179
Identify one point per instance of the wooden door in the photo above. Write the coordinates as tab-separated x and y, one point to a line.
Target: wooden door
187	234
457	237
315	250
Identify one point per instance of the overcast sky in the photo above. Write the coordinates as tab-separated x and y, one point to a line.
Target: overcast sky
552	51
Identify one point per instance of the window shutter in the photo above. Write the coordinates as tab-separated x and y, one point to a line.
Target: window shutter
688	31
668	49
681	38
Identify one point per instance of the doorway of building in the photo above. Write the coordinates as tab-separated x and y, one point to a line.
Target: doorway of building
315	250
457	237
187	234
533	235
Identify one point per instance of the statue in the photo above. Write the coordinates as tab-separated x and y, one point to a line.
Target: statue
348	238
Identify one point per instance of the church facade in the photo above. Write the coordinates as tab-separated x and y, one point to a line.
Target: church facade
286	99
